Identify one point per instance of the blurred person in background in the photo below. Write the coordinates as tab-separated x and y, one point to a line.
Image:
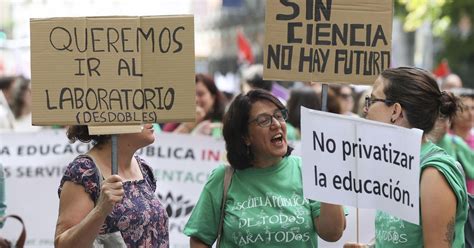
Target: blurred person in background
7	118
456	147
344	94
252	78
470	105
21	106
210	107
452	81
307	97
462	123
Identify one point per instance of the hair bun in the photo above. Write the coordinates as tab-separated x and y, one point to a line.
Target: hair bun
449	104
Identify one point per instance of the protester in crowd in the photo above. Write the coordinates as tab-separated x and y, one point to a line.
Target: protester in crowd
210	107
7	119
228	84
409	97
463	122
95	204
21	105
456	147
21	97
345	97
266	185
450	82
469	101
252	78
306	97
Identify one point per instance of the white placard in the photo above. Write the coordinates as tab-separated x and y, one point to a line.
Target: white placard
361	163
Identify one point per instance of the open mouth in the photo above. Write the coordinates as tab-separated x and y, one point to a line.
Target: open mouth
277	139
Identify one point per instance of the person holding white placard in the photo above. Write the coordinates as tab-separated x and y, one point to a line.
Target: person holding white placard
409	97
264	206
97	209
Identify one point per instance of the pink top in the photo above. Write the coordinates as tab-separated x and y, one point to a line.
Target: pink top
470	182
470	140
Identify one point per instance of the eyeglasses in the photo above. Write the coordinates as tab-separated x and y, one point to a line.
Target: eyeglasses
265	120
369	101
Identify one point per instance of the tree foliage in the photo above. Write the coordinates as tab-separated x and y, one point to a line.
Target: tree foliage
441	13
453	22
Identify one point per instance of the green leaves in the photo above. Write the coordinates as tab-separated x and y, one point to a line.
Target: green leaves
420	11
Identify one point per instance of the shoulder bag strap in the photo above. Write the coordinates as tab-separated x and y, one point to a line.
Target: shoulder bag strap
20	243
229	171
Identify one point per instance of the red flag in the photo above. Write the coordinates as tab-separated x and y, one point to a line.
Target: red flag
245	49
442	70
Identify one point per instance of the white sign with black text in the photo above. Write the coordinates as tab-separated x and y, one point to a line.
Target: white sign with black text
361	163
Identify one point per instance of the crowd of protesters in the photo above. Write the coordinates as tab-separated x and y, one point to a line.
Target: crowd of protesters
454	134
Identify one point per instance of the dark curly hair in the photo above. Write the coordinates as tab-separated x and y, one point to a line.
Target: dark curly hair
236	127
418	93
81	133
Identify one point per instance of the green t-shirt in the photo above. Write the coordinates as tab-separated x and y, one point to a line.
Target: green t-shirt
264	208
292	134
460	150
391	231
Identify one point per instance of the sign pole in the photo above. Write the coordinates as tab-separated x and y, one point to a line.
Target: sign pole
324	98
114	155
357	224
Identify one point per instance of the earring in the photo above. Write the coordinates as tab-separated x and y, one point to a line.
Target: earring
392	120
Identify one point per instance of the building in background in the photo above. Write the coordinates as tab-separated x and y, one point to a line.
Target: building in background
219	24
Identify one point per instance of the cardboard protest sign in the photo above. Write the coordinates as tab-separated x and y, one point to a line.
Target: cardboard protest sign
104	130
361	163
112	70
347	41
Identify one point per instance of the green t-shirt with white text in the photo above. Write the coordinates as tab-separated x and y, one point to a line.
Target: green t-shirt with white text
391	231
264	208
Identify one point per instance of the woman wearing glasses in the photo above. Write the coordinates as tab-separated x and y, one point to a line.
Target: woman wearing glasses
264	206
409	97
